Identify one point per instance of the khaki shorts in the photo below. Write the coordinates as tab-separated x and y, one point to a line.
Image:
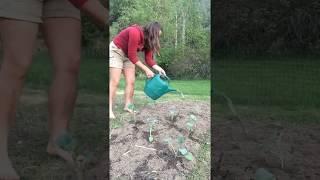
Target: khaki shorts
117	58
36	10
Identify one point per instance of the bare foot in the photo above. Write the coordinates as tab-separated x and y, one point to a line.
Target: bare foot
130	108
6	170
54	149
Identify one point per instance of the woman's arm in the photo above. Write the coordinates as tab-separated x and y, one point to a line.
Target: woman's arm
134	36
94	9
97	11
148	72
152	63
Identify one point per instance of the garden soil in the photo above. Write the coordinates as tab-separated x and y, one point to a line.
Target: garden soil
289	152
132	156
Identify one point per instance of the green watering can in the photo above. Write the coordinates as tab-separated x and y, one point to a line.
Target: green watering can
157	86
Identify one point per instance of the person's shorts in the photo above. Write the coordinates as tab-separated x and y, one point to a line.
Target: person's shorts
36	10
117	58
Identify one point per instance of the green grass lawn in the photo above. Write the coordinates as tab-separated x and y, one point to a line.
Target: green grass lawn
94	79
284	81
195	89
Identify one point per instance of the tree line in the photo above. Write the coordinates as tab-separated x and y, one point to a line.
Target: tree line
267	26
185	41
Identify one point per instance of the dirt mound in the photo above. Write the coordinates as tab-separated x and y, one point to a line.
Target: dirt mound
290	152
133	156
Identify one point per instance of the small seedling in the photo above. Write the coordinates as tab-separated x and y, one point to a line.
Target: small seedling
151	123
181	140
189	156
278	147
183	151
169	142
263	174
150	135
173	114
191	121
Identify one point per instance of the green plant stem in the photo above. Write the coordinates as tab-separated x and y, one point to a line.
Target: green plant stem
150	130
175	154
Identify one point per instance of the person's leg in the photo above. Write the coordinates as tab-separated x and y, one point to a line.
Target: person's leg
114	74
63	37
129	74
18	41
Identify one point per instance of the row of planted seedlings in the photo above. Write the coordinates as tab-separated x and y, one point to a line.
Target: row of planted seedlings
181	150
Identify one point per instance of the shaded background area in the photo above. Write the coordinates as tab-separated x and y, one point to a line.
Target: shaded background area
29	136
274	26
267	53
265	89
268	80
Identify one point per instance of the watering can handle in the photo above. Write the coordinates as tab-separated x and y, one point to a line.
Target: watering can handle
162	76
165	77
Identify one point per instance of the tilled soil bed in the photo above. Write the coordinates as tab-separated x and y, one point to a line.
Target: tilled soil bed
133	156
289	152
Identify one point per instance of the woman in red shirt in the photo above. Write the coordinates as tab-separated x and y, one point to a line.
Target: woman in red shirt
123	58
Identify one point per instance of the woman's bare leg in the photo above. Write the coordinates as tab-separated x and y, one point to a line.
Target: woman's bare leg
115	75
129	74
18	40
63	37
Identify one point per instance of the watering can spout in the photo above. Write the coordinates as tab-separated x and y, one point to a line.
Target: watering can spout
171	89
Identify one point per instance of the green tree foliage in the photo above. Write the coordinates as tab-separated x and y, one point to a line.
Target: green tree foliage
186	31
94	40
272	26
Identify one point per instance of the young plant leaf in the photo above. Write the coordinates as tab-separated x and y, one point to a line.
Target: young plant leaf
171	112
189	126
183	151
150	135
263	174
150	138
189	156
181	139
193	117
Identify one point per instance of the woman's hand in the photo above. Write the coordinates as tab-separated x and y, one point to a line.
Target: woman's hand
149	73
159	69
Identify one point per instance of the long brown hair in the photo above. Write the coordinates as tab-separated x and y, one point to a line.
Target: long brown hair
151	36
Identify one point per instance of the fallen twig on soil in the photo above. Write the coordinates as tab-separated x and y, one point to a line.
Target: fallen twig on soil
146	147
126	152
